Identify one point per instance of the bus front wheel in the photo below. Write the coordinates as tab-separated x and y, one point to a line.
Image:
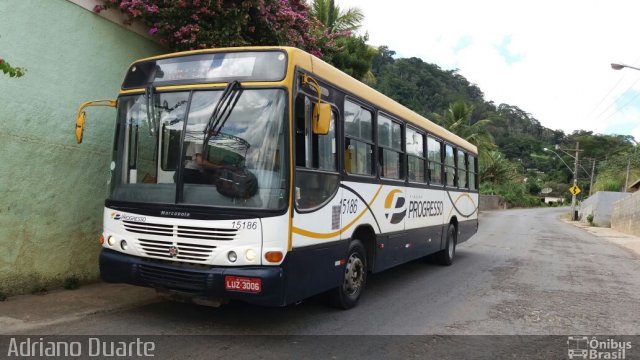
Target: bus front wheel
445	257
354	278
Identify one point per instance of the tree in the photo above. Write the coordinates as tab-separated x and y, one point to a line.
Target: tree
335	19
457	119
198	24
354	57
495	168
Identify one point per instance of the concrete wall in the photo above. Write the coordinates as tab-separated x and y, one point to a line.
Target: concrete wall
51	189
600	205
626	215
491	202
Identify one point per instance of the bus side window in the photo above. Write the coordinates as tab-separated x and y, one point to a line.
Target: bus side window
434	151
358	128
462	170
415	156
390	148
449	166
316	158
473	175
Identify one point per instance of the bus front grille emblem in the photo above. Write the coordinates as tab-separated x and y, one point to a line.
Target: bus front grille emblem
173	251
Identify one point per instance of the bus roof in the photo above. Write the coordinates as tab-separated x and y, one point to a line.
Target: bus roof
347	83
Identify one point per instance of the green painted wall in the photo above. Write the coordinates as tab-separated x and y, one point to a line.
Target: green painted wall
51	189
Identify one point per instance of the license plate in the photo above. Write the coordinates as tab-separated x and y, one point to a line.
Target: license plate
243	284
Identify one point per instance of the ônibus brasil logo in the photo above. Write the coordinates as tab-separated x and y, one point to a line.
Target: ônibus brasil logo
394	206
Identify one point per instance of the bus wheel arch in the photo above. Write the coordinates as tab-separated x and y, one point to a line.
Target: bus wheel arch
367	236
454	221
353	279
445	256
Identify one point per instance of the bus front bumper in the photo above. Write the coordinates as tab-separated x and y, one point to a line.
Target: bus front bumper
191	281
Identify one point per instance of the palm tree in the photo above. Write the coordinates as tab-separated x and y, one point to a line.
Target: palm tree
334	18
457	119
495	168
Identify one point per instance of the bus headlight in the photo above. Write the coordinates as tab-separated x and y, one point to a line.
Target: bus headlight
123	245
250	255
232	256
111	240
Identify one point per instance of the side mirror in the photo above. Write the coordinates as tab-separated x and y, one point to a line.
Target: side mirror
80	127
81	116
321	119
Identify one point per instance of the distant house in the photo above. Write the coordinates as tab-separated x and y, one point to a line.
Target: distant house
551	200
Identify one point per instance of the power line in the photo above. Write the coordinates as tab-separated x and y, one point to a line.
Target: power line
625	105
610	91
614	102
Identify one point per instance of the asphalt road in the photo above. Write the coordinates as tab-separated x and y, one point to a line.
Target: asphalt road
525	272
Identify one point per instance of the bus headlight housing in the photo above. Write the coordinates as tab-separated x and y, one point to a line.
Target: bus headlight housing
250	255
111	240
232	256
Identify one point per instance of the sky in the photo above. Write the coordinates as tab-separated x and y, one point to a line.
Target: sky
552	59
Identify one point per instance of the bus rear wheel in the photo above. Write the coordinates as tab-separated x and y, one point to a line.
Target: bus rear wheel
354	278
445	257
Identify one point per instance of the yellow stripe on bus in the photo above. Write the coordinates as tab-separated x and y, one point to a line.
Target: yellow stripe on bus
316	235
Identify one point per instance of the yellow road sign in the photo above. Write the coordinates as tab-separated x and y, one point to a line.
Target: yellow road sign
574	190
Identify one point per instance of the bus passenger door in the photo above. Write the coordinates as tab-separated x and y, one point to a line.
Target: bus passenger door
317	197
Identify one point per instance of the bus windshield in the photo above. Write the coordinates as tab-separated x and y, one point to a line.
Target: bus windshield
171	149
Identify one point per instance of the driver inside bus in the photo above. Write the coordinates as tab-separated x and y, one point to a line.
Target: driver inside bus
195	165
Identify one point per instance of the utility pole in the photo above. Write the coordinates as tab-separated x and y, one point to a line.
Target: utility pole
574	214
626	181
593	171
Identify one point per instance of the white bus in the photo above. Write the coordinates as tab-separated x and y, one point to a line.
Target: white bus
265	175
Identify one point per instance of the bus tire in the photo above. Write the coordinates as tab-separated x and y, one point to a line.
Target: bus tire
445	257
354	278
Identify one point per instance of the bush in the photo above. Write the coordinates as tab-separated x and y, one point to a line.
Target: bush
590	219
3	296
38	289
71	283
515	193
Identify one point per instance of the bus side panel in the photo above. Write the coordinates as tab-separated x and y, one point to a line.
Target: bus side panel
313	270
464	206
398	248
425	216
466	229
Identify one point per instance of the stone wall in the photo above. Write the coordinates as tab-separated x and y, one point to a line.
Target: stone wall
52	189
600	205
491	202
626	215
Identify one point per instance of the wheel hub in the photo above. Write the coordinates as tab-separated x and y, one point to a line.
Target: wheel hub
354	275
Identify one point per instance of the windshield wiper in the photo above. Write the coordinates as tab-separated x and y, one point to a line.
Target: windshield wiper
221	112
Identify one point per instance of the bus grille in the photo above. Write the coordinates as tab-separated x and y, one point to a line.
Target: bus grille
148	228
206	233
187	232
173	279
186	251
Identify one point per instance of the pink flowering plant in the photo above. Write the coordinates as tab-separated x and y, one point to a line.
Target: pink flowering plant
7	69
198	24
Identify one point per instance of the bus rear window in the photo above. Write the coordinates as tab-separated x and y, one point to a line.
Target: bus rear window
207	68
